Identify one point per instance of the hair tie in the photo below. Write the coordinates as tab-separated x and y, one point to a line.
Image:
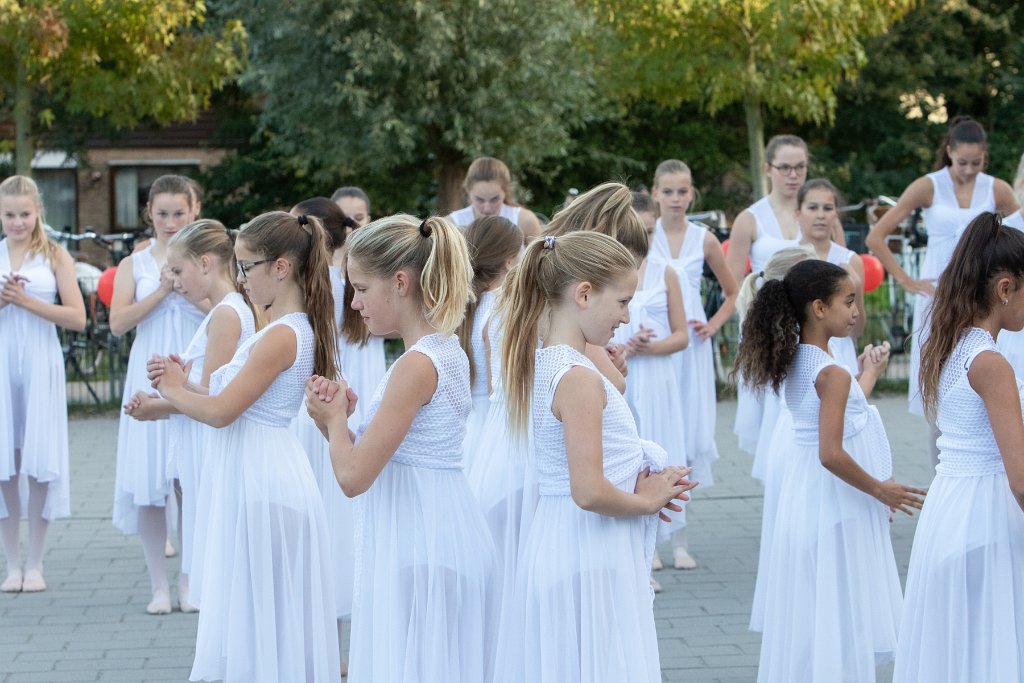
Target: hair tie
761	275
425	229
303	220
549	243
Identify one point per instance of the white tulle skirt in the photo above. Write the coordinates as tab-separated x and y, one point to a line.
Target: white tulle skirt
338	510
264	587
188	443
772	405
832	593
963	618
424	599
583	608
472	454
922	308
697	382
749	412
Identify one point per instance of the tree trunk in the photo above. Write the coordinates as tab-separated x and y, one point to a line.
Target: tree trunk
450	174
23	151
755	142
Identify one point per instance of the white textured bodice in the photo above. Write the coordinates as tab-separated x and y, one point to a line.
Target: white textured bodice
464	216
435	437
967	444
182	316
283	398
945	221
196	351
805	406
338	293
476	342
495	335
624	453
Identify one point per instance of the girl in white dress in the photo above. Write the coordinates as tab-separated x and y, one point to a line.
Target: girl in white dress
488	186
265	590
832	590
963	618
817	211
762	229
687	247
423	607
583	604
201	259
950	198
33	410
144	297
494	244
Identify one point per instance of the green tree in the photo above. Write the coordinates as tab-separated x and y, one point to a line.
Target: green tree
108	64
350	87
784	56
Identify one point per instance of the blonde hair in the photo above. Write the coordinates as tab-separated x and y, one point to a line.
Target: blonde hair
434	249
1018	181
490	170
606	209
303	240
776	268
39	241
208	236
670	166
547	268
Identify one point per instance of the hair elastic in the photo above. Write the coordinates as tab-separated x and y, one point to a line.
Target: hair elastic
303	220
549	243
425	229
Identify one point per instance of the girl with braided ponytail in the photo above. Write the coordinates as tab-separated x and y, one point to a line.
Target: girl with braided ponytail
832	592
423	606
588	551
963	619
266	595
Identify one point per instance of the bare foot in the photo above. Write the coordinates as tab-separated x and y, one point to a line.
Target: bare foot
161	602
169	550
656	563
183	602
681	559
33	581
12	584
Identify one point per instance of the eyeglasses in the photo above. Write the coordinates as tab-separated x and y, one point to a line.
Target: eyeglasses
786	169
244	267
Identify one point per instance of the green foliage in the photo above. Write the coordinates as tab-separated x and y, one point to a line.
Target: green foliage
355	88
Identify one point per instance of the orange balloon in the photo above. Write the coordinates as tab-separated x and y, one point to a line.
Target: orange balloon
105	285
725	250
874	273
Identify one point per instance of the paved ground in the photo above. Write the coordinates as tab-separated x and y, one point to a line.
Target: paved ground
91	625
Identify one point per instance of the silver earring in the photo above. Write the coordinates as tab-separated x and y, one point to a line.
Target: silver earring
1005	301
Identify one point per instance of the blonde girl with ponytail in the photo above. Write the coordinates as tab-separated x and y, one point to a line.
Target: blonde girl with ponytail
424	604
587	553
201	259
266	596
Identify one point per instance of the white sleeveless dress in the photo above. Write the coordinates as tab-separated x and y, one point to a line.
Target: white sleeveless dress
363	365
34	412
1011	344
963	619
832	592
750	406
583	607
503	478
424	605
471	453
188	440
654	392
695	365
945	222
264	586
464	216
141	476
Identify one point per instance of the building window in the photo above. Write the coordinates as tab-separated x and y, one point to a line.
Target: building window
58	188
131	188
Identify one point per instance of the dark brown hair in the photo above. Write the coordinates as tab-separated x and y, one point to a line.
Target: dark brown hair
962	130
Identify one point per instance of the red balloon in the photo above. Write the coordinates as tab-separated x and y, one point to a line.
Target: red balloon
105	285
874	273
725	250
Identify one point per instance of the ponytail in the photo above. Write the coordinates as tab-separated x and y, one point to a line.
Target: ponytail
776	268
986	251
771	329
547	268
962	129
607	209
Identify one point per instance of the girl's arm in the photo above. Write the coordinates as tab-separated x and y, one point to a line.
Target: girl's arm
125	312
145	408
70	312
1006	200
917	195
741	236
412	385
833	387
270	356
992	378
679	335
529	224
578	404
598	355
222	336
716	260
856	267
